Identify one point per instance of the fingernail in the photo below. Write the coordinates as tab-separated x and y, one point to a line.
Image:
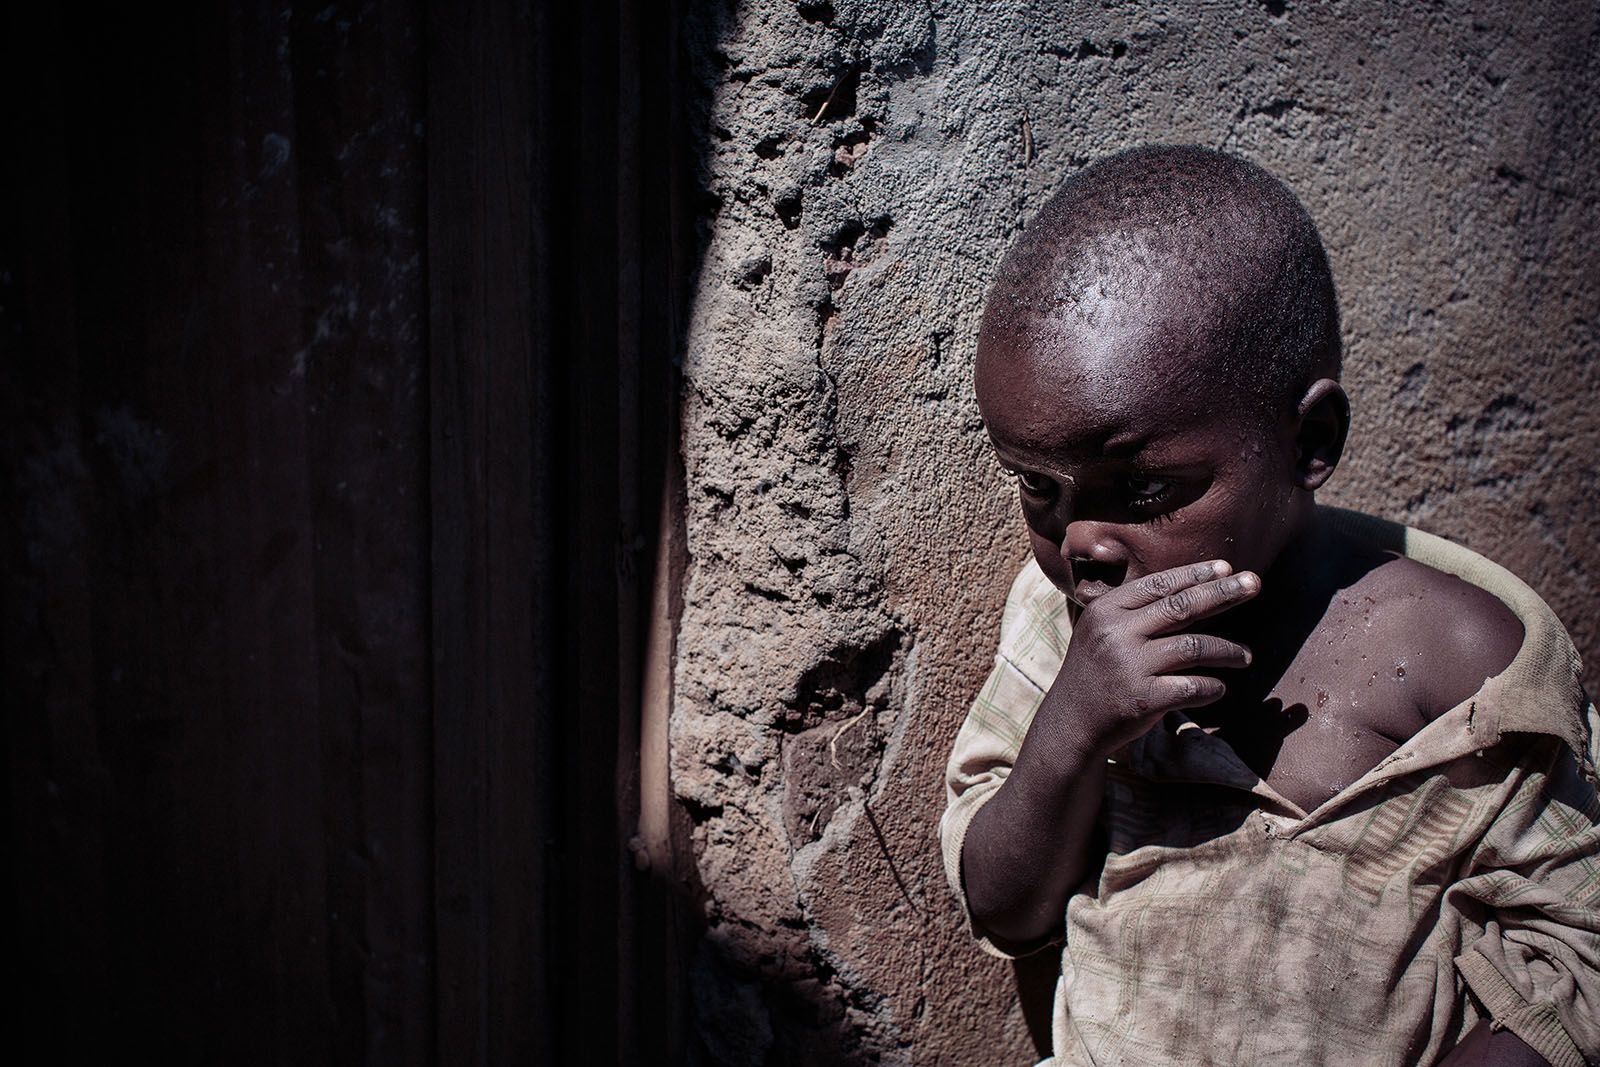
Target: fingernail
1220	568
1249	582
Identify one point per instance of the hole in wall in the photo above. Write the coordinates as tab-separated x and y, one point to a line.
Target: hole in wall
817	12
834	100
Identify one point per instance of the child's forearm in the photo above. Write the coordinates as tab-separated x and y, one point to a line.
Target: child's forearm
1128	665
1029	846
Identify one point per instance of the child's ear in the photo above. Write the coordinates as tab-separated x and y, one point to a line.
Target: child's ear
1324	419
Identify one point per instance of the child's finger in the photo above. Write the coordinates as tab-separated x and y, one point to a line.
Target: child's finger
1174	692
1153	587
1178	609
1185	652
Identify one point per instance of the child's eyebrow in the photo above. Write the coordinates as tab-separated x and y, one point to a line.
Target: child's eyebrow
1013	467
1124	446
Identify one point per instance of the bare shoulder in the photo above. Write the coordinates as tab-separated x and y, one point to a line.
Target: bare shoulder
1461	633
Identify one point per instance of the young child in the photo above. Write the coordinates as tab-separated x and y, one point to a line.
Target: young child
1293	785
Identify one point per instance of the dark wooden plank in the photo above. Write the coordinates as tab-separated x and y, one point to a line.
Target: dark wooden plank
598	475
267	728
657	248
218	739
56	778
337	391
492	651
637	1026
359	144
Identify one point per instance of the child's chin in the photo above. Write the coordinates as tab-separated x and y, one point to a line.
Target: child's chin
1065	588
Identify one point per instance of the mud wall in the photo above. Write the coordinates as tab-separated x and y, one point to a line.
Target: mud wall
848	538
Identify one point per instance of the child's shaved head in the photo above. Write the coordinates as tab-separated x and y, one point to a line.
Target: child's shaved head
1205	248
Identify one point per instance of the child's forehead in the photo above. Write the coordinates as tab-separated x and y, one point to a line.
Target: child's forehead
1064	378
1077	394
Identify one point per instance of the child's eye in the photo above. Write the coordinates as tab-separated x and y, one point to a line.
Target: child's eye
1147	492
1036	484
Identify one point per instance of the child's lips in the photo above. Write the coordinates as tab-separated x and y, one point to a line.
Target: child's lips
1092	579
1087	592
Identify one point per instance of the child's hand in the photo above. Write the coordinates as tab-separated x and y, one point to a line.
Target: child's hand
1130	662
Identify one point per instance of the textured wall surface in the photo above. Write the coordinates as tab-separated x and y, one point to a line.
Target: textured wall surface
866	164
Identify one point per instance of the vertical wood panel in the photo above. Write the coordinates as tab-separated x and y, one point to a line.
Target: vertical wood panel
654	260
597	473
359	139
58	778
490	438
216	623
335	347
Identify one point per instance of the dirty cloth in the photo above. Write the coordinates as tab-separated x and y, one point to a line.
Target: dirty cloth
1230	927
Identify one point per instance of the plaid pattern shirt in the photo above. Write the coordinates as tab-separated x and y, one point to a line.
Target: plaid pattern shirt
1230	927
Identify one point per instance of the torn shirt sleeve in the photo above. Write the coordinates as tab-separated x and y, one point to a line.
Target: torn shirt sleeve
1534	892
1033	635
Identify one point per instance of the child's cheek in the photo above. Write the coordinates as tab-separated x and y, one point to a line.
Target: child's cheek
1177	542
1043	523
1048	554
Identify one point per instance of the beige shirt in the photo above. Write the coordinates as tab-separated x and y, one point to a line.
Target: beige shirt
1230	927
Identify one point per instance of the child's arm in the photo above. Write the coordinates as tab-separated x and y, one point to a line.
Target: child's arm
1028	847
1126	667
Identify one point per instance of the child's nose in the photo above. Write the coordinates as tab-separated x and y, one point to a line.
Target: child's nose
1091	540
